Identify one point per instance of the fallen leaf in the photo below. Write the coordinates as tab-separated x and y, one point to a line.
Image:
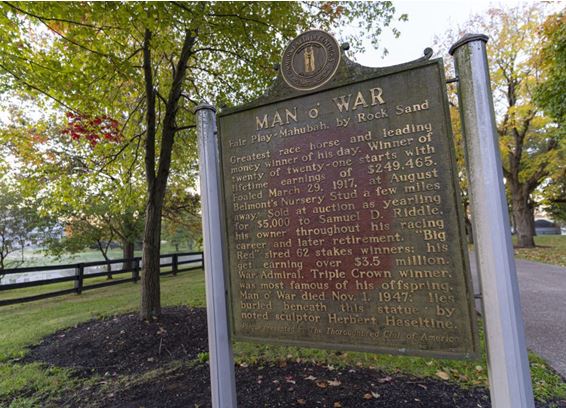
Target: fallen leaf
423	386
301	401
384	380
310	378
244	365
337	404
368	396
321	384
334	383
375	395
442	374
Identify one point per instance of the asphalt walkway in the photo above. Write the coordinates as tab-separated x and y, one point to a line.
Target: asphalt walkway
543	301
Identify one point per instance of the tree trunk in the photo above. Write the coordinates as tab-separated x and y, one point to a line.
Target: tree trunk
157	181
523	215
104	251
128	253
150	294
108	271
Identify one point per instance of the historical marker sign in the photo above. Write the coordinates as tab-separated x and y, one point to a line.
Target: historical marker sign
344	228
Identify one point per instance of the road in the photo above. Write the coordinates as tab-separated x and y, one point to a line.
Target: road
543	302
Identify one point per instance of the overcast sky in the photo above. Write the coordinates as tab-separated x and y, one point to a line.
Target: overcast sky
426	19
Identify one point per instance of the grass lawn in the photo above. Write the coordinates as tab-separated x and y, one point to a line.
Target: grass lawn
25	324
551	249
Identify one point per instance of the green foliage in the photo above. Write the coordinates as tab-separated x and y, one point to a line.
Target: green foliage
530	145
20	225
146	65
202	357
551	93
551	96
86	55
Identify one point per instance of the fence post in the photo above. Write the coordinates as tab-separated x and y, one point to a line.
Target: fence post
175	265
79	275
136	270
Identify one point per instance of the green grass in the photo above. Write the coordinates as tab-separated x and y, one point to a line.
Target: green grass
551	249
34	382
26	324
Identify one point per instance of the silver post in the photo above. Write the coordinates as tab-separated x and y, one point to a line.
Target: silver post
222	379
508	365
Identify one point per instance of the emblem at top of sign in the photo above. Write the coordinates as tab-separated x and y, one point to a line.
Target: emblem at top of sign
310	60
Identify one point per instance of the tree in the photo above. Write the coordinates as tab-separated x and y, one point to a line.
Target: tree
529	145
555	199
551	92
59	163
151	63
551	96
19	224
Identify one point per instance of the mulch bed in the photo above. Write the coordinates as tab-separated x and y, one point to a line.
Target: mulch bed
125	345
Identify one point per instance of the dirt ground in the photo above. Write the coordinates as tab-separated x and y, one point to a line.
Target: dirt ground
162	364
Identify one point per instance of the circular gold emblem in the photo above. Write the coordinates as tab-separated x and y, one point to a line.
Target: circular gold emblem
310	60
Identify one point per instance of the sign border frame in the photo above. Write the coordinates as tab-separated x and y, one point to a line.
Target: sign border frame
472	324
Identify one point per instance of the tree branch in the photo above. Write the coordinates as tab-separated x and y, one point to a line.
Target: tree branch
18	78
179	128
171	110
62	20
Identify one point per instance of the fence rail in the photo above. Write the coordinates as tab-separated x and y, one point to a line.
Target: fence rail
79	272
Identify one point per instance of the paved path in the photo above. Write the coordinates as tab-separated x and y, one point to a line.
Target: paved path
543	301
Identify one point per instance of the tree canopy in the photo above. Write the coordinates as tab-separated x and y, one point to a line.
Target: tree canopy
530	145
145	66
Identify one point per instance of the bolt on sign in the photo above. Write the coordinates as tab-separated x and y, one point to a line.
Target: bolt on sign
343	222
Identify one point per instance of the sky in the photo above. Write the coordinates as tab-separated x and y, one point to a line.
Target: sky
427	19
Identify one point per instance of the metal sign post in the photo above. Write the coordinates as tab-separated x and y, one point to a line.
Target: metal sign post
508	365
222	379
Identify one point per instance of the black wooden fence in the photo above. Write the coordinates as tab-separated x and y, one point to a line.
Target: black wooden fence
171	264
